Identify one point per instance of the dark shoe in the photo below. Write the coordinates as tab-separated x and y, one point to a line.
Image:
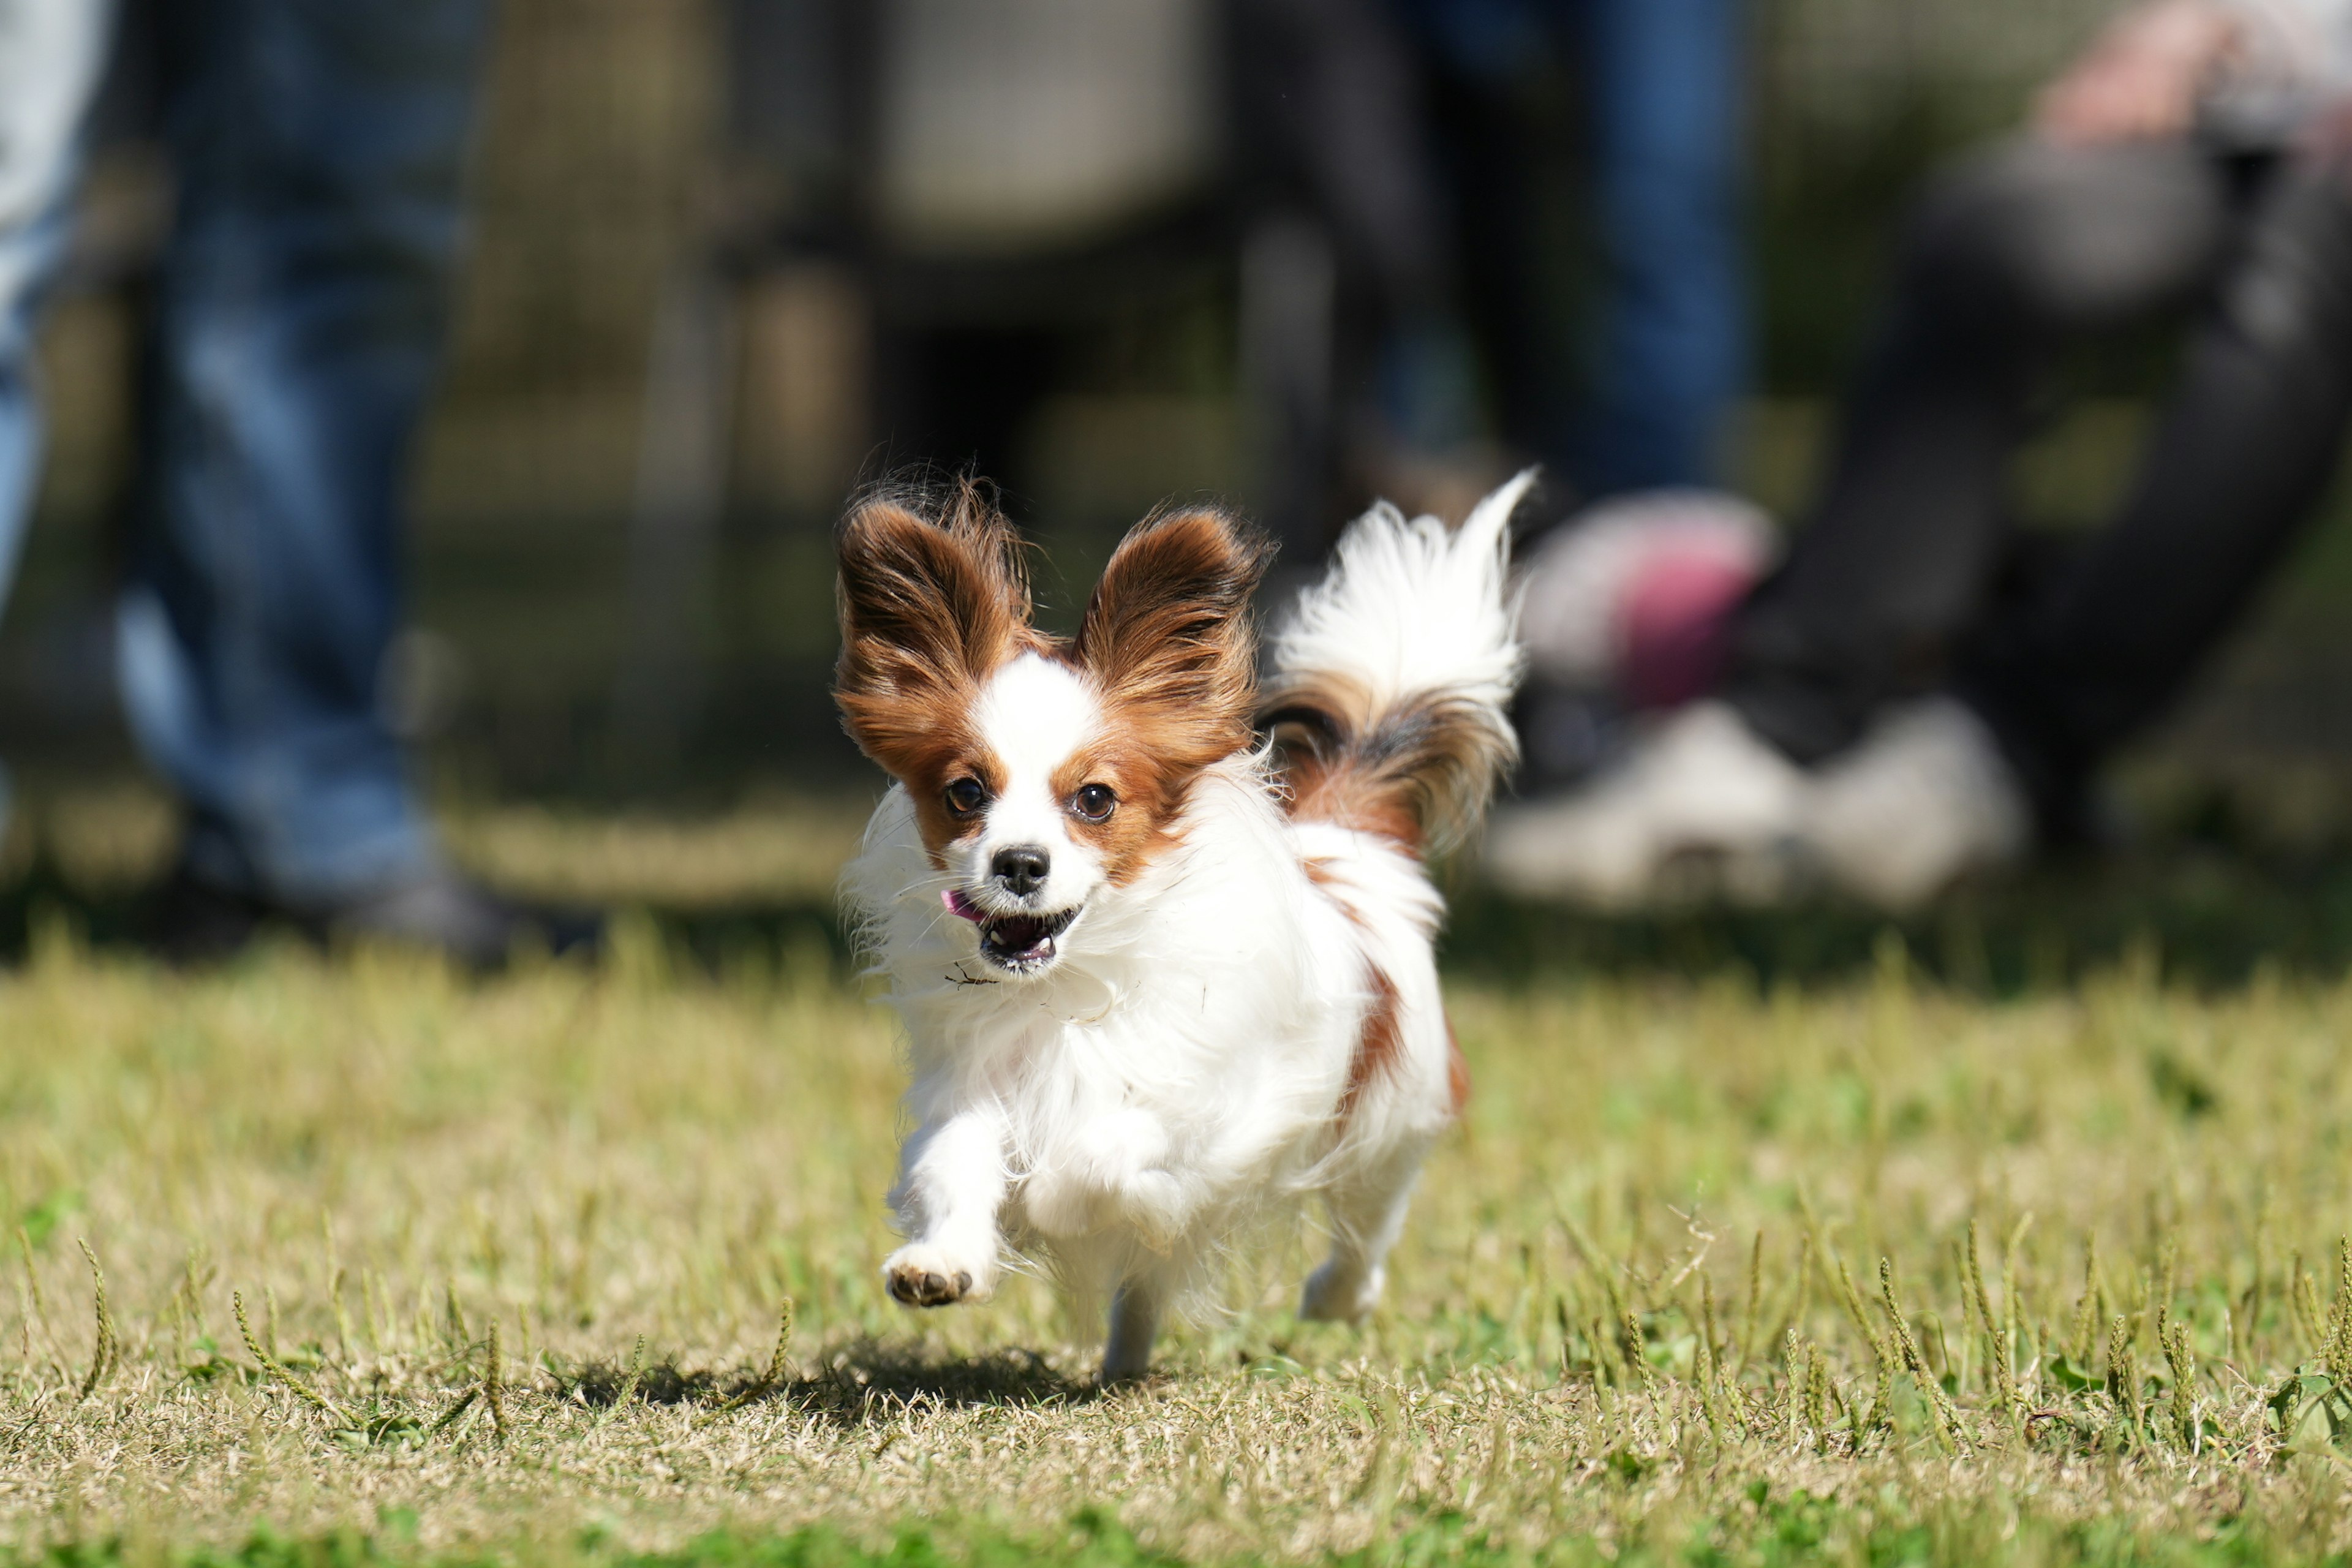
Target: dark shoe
478	928
190	922
193	921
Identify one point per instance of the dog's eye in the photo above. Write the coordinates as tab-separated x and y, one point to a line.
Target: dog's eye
1093	802
966	796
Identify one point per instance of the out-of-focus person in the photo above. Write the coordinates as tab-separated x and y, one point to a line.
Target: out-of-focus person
316	149
1903	702
1660	87
1627	402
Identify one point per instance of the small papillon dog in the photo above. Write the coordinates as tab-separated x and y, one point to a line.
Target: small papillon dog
1161	931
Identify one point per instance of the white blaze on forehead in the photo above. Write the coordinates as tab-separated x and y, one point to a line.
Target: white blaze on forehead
1034	714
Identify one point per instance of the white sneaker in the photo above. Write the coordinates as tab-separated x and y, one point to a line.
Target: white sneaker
1923	802
1700	794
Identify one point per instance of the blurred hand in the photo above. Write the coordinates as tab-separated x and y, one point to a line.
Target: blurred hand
2141	80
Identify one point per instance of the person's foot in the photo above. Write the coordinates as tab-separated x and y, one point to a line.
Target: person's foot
195	921
1924	802
1699	805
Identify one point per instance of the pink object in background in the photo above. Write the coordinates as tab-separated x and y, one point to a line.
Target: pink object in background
1636	596
1673	622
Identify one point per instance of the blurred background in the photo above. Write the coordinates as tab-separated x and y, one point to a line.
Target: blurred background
727	254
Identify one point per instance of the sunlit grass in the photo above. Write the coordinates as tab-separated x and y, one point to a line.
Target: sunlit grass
614	1179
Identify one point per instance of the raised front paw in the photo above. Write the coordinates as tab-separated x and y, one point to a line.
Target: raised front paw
921	1276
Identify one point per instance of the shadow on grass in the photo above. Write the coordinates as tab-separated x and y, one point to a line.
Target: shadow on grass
2206	919
867	1382
873	1381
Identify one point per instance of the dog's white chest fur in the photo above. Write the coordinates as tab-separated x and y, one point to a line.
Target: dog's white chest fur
1180	1064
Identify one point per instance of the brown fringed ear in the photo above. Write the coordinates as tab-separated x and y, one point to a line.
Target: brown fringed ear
929	607
1167	635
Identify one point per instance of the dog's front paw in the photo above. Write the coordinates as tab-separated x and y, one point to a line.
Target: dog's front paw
923	1276
1339	1295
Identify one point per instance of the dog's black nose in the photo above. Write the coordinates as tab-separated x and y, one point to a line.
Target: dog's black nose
1020	868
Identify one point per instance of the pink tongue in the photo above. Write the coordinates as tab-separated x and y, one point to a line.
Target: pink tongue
962	907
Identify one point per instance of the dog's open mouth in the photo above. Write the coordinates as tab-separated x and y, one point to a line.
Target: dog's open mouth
1021	945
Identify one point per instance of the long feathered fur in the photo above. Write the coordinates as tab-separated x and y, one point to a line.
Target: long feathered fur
1390	682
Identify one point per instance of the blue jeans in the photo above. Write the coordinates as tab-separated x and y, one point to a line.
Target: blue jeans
1668	353
317	146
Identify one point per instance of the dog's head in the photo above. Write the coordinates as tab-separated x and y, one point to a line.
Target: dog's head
1044	774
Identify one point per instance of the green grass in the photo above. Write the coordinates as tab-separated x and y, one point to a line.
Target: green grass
606	1182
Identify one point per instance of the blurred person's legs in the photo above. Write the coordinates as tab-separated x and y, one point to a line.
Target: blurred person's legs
1634	109
2008	259
1642	401
318	147
1670	330
1347	269
2242	453
52	58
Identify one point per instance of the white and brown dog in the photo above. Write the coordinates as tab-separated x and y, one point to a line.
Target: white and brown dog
1161	976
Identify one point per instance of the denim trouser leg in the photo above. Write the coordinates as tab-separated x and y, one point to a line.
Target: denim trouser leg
318	145
1668	353
52	57
1671	349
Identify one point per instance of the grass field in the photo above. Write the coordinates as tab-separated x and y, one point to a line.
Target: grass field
1693	1283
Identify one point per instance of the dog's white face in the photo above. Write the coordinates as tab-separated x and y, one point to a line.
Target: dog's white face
1044	774
1037	803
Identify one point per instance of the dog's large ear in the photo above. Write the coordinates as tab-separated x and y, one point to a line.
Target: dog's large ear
929	607
1167	630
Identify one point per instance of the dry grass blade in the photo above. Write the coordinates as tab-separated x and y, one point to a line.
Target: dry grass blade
271	1365
1883	1391
103	1350
2183	1364
464	1402
1947	1419
2123	1376
1636	1349
494	1380
2001	1350
773	1376
629	1385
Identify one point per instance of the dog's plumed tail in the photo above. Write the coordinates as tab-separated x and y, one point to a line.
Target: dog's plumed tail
1390	682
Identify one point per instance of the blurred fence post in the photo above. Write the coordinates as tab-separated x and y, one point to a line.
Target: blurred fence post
1289	299
681	498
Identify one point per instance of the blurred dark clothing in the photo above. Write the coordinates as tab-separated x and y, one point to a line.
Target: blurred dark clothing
1346	253
316	147
1332	116
1895	586
1638	394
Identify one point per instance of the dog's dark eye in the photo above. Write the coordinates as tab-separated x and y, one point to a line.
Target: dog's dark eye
966	796
1093	802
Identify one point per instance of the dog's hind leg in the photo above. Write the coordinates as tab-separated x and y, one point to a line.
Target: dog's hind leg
1367	1205
1135	1314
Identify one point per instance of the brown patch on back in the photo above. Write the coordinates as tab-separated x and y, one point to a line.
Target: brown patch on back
931	608
1378	1044
1166	641
1326	789
1414	774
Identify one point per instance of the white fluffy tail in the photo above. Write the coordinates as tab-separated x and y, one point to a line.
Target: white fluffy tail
1391	680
